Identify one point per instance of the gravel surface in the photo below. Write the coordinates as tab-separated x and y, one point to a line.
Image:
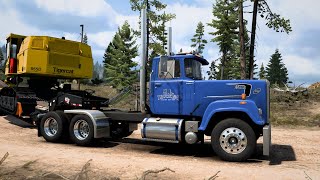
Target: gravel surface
295	155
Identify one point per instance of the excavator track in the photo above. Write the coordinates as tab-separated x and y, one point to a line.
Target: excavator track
10	97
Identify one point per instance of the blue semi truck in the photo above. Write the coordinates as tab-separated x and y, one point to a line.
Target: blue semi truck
182	108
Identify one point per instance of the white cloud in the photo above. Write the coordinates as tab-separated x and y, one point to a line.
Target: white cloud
187	18
12	24
303	14
77	7
132	20
301	66
101	39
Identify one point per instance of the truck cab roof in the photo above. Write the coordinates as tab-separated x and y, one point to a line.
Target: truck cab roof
188	56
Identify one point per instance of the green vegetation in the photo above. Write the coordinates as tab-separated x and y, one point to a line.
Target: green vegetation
212	73
277	73
225	26
262	72
118	59
198	42
157	19
295	110
85	38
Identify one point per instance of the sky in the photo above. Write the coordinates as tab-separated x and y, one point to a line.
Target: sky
300	49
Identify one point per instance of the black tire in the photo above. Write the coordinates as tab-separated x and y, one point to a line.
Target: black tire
119	130
235	132
49	131
81	137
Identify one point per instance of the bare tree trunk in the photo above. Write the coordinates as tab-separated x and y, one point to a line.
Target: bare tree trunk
253	36
242	48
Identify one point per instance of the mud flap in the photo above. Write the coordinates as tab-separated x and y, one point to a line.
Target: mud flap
266	140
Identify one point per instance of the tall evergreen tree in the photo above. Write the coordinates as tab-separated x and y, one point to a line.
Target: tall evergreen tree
85	38
262	72
225	25
1	57
198	41
157	18
212	73
2	62
156	28
233	67
4	58
97	71
277	73
118	58
273	21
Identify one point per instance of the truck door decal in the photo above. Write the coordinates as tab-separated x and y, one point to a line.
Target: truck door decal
168	95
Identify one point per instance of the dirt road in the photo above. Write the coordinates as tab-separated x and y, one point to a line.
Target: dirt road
295	155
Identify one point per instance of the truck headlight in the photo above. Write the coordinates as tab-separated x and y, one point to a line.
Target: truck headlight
260	111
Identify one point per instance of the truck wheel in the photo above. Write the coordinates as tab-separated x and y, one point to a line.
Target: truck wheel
54	126
81	130
120	130
233	140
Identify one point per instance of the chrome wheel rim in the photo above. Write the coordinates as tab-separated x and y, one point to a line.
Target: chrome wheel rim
51	127
81	129
233	140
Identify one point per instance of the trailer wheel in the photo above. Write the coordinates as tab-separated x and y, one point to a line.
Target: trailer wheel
81	130
233	140
54	126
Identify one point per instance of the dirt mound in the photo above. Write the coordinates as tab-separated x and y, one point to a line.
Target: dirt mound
314	85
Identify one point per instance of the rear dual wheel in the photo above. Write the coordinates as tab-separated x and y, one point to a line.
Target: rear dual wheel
81	130
54	126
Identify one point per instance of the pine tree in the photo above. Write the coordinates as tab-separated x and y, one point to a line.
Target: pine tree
85	38
277	73
274	21
198	42
262	72
4	58
212	73
225	25
118	58
157	20
1	57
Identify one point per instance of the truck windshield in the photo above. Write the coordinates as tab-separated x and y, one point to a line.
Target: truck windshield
192	69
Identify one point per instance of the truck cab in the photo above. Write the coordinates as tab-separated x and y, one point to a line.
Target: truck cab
235	113
178	89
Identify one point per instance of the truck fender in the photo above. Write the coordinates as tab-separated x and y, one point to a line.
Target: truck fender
249	107
101	126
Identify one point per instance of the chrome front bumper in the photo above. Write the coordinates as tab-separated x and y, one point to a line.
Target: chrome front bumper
266	140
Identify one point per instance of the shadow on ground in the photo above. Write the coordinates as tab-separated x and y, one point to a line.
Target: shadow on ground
279	153
19	122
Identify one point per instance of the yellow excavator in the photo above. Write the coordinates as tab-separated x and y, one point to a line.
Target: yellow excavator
34	66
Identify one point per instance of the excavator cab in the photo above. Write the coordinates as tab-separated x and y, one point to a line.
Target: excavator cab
13	46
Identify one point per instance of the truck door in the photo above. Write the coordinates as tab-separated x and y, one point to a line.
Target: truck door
192	70
166	97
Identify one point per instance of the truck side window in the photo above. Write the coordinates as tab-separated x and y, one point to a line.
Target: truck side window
169	69
192	69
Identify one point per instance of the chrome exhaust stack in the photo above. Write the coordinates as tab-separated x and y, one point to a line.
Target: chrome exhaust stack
144	57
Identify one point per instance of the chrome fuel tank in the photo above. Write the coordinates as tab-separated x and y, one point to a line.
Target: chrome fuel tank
162	129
